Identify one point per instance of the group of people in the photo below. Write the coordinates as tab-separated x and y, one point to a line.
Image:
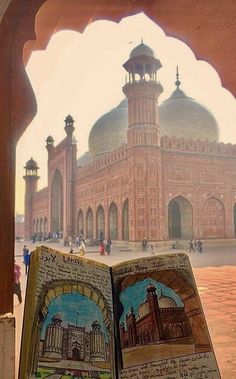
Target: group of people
105	246
195	246
80	242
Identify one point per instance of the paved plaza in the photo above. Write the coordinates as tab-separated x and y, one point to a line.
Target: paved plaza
215	274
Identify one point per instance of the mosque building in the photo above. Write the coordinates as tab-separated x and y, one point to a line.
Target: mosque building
151	171
158	320
74	342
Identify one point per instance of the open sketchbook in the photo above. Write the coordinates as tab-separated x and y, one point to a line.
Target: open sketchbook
139	319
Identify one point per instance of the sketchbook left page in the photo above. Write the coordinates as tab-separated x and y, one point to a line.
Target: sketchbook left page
68	328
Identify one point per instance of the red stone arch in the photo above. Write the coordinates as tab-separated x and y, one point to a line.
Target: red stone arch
234	218
180	218
37	226
41	229
34	227
213	218
100	222
45	227
113	221
89	223
125	220
80	222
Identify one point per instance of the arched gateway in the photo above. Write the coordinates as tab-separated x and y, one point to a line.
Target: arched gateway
180	218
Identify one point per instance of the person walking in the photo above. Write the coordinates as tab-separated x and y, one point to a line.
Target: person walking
108	246
191	246
101	248
144	244
27	261
199	246
16	284
152	249
82	248
24	251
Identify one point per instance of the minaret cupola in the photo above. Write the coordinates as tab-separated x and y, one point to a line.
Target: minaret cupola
31	168
142	91
69	125
49	143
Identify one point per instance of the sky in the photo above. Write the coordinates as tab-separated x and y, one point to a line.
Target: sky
74	309
81	74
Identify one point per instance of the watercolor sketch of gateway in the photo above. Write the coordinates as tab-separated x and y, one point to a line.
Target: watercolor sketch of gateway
156	324
74	341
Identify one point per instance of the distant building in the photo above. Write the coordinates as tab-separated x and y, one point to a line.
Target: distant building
158	320
151	171
74	342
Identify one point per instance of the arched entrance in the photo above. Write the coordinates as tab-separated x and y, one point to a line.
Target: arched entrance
57	205
100	222
76	351
80	223
113	222
234	219
125	220
45	227
180	218
89	223
213	219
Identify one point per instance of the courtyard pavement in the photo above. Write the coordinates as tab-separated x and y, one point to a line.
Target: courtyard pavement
215	274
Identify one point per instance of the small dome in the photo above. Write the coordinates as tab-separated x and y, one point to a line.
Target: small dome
142	49
151	288
166	302
57	318
69	118
182	116
31	164
96	326
110	131
49	139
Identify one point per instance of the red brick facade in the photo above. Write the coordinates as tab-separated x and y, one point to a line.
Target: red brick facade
155	187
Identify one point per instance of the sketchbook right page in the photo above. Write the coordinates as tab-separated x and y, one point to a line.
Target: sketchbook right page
161	330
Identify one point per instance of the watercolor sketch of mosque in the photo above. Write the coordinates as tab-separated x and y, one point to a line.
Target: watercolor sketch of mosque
153	324
74	340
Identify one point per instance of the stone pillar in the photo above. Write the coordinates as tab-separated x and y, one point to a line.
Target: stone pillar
7	347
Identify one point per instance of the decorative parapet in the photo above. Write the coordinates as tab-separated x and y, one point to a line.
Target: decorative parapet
197	146
107	159
41	194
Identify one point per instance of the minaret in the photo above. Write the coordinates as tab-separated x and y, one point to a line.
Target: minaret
31	181
97	338
53	343
71	153
142	91
157	331
144	155
69	125
49	144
